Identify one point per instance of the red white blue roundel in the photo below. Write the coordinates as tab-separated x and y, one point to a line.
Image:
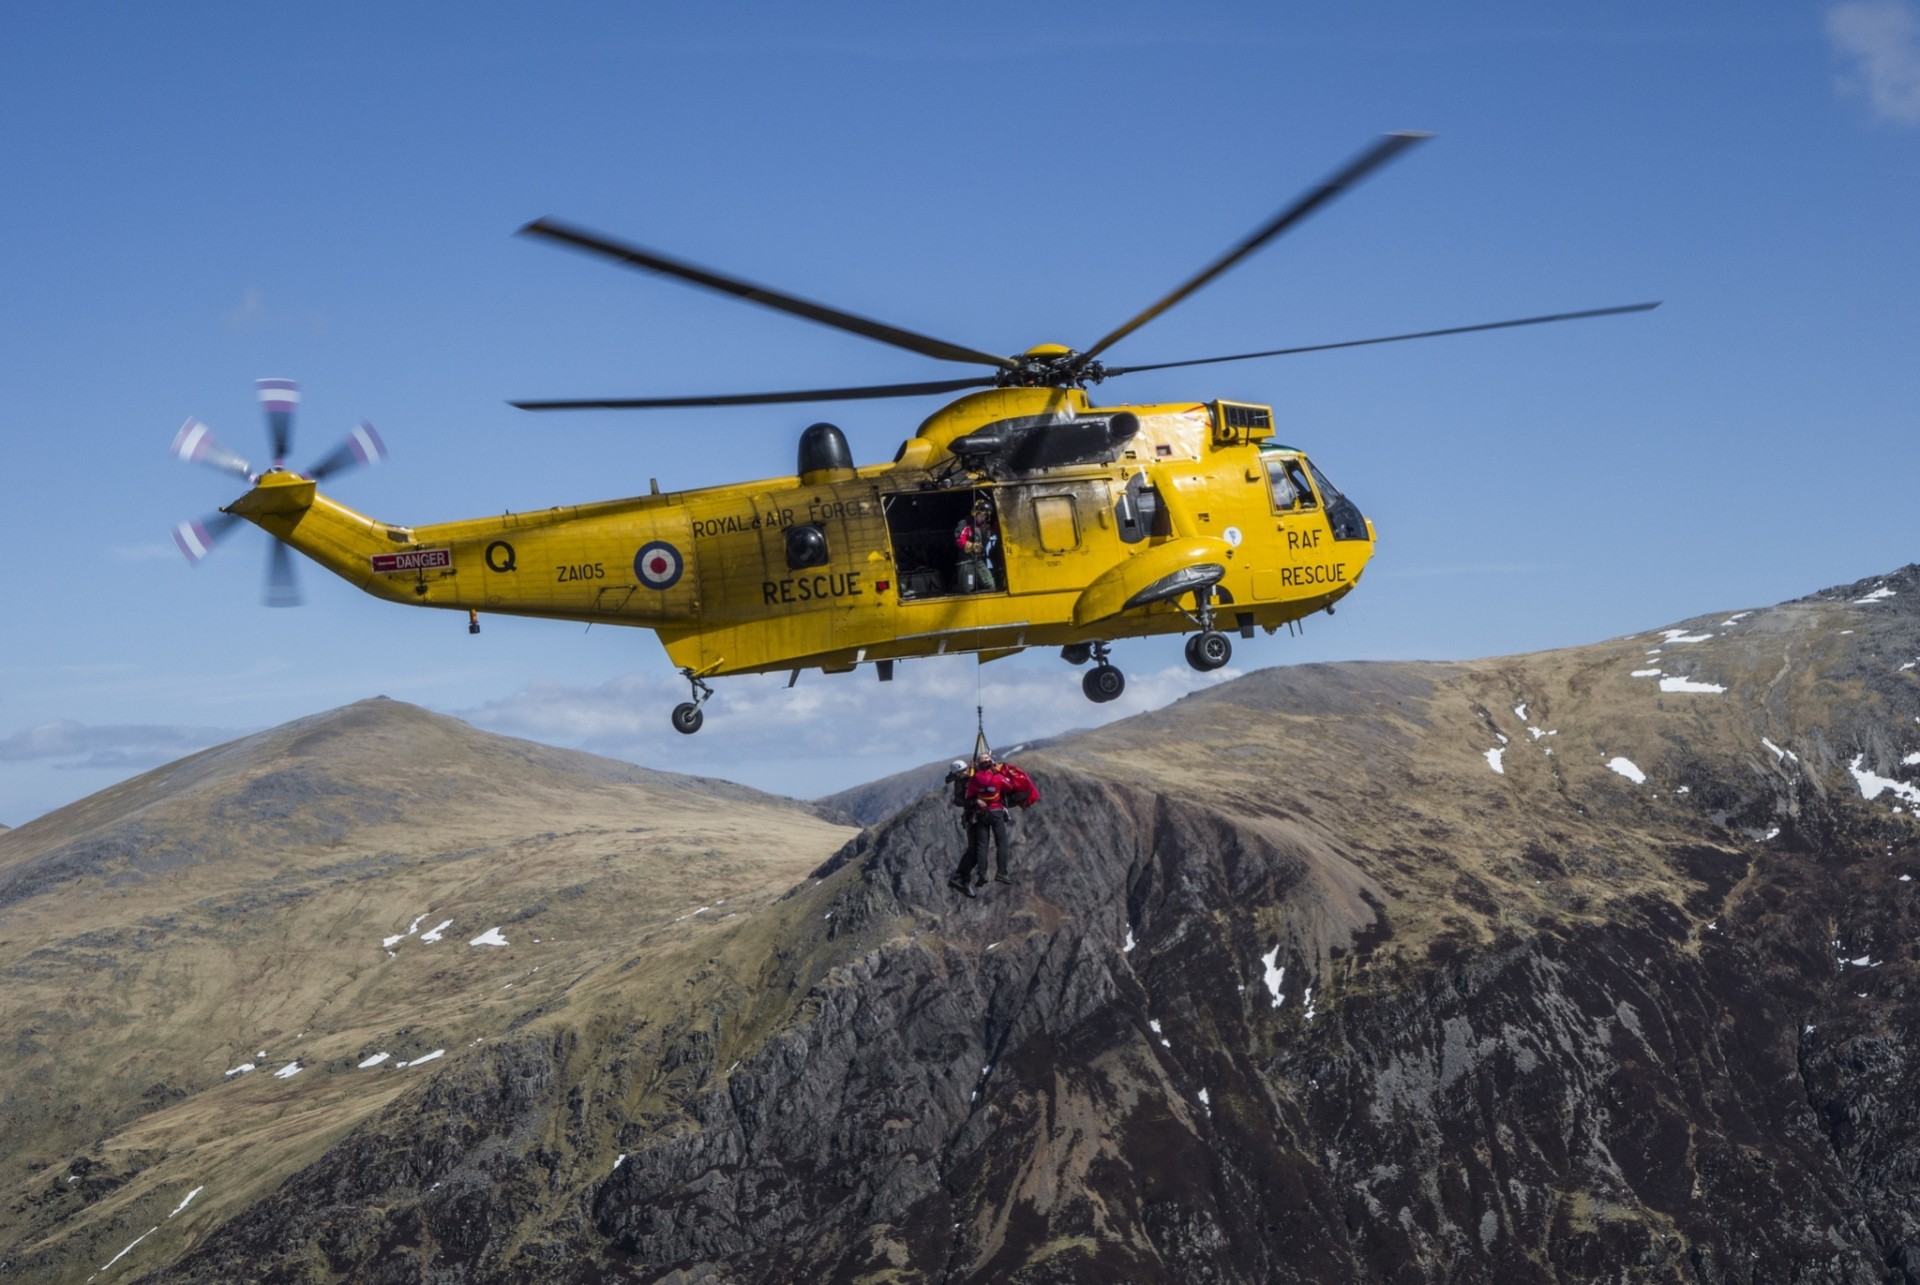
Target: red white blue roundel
658	564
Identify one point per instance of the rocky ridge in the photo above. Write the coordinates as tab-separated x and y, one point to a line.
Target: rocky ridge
1587	964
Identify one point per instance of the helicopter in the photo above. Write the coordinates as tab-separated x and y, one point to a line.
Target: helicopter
1020	515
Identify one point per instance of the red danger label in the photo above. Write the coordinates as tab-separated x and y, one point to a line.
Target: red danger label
413	560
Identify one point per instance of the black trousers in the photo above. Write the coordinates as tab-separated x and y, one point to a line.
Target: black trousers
988	823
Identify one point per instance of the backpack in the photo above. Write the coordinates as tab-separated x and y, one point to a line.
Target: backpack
1021	791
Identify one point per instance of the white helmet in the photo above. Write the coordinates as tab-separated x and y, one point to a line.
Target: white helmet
958	765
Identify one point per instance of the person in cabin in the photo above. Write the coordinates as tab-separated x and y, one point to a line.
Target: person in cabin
976	537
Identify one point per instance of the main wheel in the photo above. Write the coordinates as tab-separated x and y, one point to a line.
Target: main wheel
1209	651
687	718
1077	653
1103	683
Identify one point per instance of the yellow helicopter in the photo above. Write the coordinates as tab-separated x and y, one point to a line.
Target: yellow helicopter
1020	515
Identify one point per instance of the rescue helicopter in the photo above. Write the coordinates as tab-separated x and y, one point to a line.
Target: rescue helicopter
1100	523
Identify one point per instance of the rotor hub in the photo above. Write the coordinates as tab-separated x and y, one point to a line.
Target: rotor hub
1051	366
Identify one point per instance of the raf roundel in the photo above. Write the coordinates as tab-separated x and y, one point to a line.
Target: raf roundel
658	564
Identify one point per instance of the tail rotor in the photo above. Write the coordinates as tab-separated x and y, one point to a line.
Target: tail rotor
195	443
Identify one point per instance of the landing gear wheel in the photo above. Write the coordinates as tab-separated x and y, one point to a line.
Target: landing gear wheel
1103	683
687	718
1077	653
1209	651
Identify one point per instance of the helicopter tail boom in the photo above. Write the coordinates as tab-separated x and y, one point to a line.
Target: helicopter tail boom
291	509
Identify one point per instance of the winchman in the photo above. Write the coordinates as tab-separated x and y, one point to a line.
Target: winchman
986	793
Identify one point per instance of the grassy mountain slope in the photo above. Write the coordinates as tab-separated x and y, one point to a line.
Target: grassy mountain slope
235	909
1548	967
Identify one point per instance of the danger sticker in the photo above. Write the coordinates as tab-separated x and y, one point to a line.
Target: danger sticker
413	560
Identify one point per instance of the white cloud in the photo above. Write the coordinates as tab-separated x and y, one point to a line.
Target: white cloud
830	731
117	748
1881	40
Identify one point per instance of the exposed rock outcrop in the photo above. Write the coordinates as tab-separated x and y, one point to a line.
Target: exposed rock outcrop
1528	969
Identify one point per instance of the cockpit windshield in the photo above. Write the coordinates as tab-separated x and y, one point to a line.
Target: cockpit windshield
1342	514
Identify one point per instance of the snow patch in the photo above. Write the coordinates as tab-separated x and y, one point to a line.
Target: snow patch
1681	636
1275	975
1155	1026
620	1160
1206	1101
1627	768
1878	595
491	937
424	1057
1126	947
1675	684
435	934
128	1250
1872	786
288	1071
242	1069
1307	1000
1911	760
1493	760
375	1060
1644	673
1735	618
1789	756
1520	711
188	1200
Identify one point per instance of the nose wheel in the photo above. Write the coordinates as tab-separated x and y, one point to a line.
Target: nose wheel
1208	651
686	716
1104	682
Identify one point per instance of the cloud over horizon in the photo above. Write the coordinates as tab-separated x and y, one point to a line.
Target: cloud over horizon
1881	41
128	746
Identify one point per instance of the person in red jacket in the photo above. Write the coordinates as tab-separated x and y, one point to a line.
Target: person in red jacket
986	797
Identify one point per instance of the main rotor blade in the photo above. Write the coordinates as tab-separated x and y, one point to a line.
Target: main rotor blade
867	393
634	256
1373	158
279	398
363	446
1392	339
283	589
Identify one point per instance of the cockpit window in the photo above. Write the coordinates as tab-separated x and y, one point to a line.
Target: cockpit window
1342	514
1289	485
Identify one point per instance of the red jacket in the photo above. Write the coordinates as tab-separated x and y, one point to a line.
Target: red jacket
987	789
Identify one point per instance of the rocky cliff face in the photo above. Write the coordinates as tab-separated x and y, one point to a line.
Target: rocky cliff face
1592	964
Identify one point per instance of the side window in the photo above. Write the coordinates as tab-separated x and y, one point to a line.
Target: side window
1284	495
1289	485
1299	476
1058	524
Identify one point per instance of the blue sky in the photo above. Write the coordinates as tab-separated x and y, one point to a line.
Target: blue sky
202	194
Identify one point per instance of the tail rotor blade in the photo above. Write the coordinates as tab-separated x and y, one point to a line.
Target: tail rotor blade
283	589
363	446
196	444
196	539
279	398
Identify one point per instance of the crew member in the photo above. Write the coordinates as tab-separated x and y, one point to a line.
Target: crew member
976	538
959	772
987	801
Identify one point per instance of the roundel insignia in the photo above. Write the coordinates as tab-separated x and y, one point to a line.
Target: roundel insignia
1232	536
658	564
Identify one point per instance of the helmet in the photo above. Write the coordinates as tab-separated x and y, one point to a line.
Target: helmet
958	765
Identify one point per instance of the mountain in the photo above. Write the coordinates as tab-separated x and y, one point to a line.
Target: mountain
1588	964
200	963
